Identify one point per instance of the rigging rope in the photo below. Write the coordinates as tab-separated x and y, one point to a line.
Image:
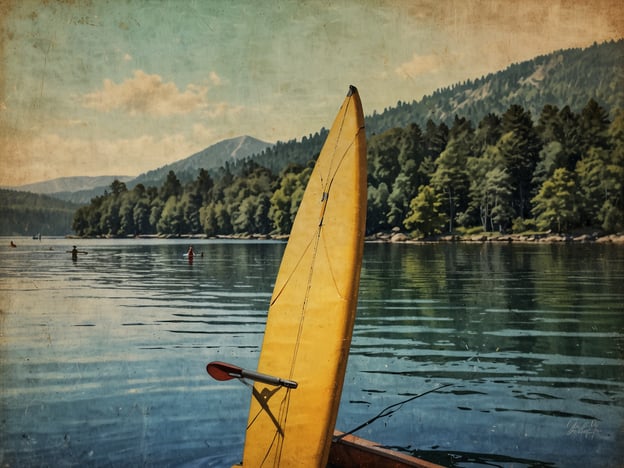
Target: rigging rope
390	410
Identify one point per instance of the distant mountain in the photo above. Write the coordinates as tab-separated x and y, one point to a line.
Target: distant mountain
83	197
82	189
214	156
69	184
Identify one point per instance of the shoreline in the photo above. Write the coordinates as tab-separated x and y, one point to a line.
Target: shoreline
398	237
546	238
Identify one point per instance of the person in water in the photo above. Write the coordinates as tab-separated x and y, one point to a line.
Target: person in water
74	253
190	253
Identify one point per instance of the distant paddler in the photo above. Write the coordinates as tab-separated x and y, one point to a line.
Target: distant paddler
75	253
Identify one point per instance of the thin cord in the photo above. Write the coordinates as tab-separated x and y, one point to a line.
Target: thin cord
389	410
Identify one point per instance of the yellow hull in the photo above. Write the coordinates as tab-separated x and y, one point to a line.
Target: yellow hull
312	310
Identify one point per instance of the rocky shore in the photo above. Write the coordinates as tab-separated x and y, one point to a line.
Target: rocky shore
400	237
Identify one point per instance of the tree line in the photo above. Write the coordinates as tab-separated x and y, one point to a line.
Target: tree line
29	214
509	173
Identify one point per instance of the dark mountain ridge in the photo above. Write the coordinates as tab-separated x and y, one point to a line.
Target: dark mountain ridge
568	77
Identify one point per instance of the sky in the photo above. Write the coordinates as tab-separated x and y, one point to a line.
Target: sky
119	87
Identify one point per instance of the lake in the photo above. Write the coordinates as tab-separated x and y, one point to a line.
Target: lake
102	360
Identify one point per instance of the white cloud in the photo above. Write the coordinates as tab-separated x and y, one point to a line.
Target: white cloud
148	94
145	94
127	57
419	65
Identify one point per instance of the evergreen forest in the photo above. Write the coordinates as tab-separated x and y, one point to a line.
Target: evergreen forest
557	171
29	214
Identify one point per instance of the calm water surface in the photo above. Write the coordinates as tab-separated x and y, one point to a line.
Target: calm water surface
102	360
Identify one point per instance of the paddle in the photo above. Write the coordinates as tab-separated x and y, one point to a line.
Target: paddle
224	371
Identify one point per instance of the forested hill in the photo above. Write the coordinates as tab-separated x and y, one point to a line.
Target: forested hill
505	174
568	77
539	146
564	78
29	214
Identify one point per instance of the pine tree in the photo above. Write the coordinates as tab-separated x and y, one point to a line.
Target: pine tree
426	216
450	177
519	148
555	206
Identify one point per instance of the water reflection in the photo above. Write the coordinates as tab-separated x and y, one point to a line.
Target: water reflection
103	359
530	336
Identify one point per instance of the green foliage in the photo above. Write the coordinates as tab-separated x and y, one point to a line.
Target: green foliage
556	205
286	198
490	190
519	147
29	214
171	188
451	179
377	209
495	175
383	157
523	225
566	171
426	217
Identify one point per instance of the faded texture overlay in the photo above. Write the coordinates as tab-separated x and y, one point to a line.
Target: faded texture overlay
102	358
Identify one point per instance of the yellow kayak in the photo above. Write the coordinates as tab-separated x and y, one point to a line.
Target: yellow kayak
312	310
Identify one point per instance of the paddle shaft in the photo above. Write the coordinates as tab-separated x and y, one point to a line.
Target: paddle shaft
267	379
225	371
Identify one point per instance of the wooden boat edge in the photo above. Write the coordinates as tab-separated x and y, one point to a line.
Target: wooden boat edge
352	451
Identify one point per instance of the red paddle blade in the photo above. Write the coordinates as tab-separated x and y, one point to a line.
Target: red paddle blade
223	371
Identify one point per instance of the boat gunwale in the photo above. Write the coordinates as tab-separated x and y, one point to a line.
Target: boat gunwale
350	451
